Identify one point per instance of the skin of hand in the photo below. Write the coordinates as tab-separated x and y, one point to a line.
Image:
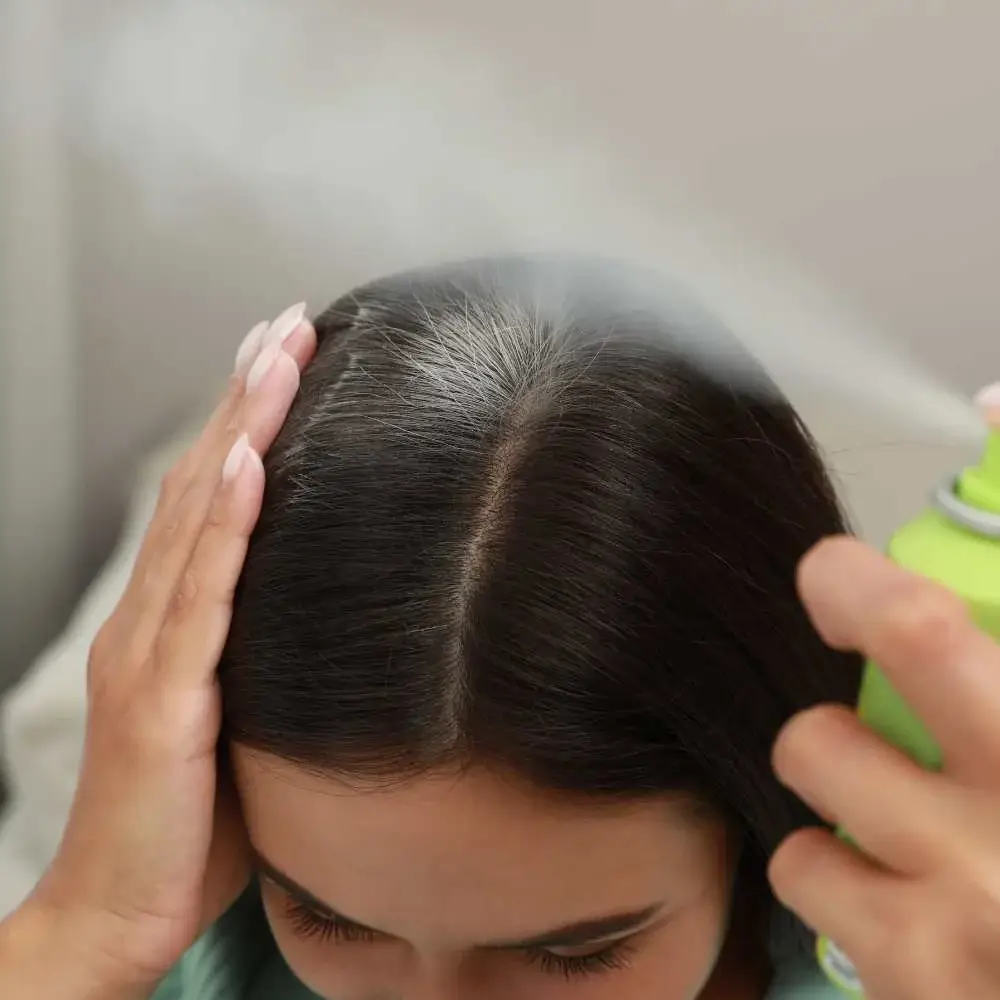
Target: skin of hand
154	848
918	908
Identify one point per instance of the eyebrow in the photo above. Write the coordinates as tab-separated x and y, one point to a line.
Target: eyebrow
585	932
299	894
574	935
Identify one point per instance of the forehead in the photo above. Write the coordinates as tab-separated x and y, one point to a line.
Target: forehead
473	856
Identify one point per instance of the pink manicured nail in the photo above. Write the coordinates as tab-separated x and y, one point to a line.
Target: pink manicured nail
263	364
285	325
235	459
250	348
989	398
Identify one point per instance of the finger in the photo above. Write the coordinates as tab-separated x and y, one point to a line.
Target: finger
839	893
270	387
176	484
269	399
197	618
291	328
301	344
222	422
264	408
850	777
271	383
922	637
193	636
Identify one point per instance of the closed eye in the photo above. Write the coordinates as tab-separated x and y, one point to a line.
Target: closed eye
608	958
308	923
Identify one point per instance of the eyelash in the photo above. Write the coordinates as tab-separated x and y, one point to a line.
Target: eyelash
609	959
307	923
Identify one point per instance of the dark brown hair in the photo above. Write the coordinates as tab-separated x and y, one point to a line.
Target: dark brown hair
509	521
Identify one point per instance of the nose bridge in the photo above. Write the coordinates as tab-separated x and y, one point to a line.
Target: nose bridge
437	981
431	977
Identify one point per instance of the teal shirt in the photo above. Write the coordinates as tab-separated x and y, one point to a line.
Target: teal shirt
238	960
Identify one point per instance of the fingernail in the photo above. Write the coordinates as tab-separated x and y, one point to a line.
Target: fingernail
235	459
989	398
284	326
250	348
263	364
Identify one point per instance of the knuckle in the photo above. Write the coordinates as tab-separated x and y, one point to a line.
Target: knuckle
889	921
919	617
927	940
174	482
937	940
170	513
186	595
107	652
171	523
95	670
180	517
903	948
934	945
103	647
164	723
218	513
141	733
111	663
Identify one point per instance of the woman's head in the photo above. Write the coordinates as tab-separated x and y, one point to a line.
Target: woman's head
516	632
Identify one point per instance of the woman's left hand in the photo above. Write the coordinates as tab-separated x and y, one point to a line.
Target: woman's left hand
919	912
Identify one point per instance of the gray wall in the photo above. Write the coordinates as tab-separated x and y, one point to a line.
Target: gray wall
39	450
858	139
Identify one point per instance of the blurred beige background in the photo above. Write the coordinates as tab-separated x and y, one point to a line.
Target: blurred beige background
860	140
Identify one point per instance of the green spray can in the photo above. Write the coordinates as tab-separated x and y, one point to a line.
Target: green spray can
955	541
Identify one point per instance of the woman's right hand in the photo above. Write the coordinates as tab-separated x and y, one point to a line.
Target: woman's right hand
154	849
